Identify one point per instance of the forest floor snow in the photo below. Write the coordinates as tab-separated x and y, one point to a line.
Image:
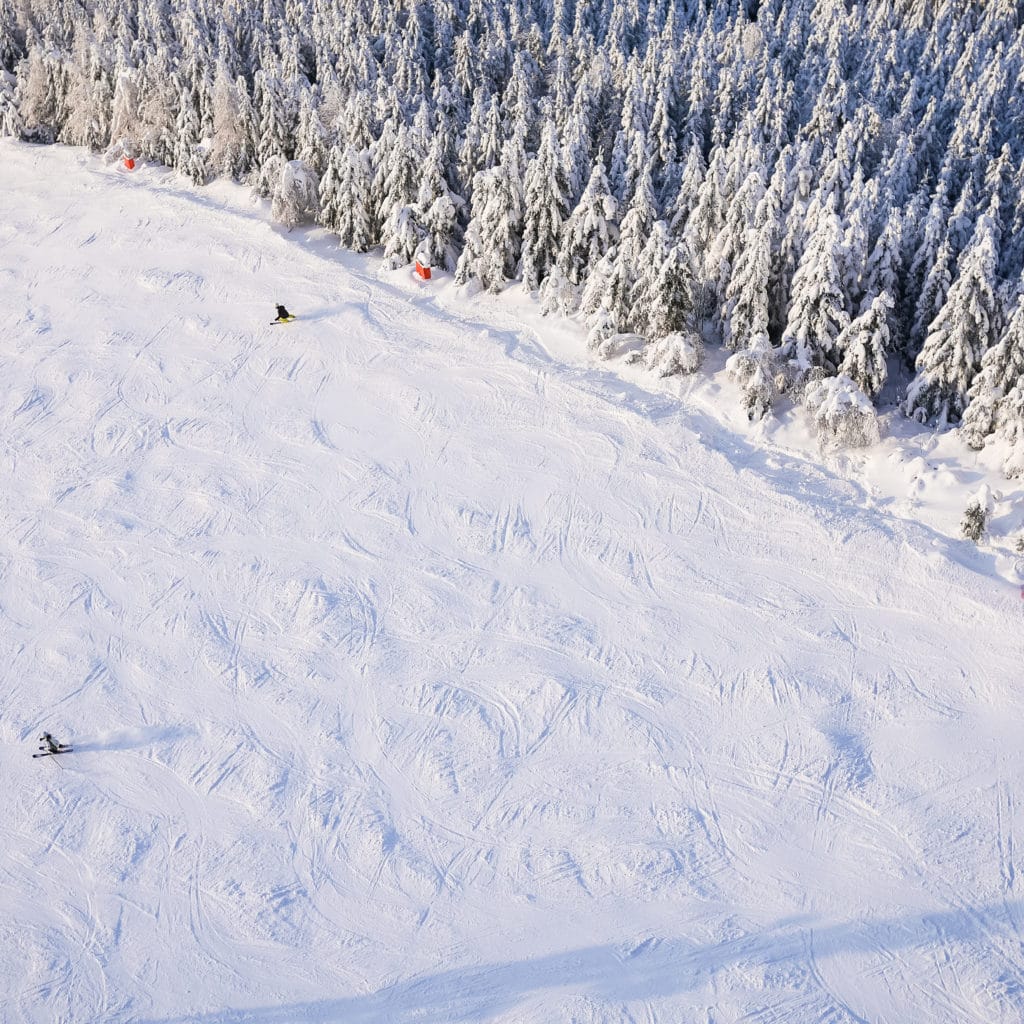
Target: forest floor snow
421	670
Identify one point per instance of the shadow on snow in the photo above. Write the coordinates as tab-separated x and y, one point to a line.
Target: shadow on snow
657	968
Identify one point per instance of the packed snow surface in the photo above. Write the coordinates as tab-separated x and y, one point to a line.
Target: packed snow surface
416	674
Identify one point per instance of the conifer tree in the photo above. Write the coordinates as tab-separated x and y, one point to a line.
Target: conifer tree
440	225
89	100
864	345
591	229
273	130
618	298
438	209
883	270
159	93
795	200
232	150
681	204
39	95
753	369
672	306
494	234
295	195
728	244
11	123
576	153
818	311
401	235
311	140
546	208
996	398
398	174
649	268
189	156
746	297
708	214
858	238
10	49
960	335
124	115
346	205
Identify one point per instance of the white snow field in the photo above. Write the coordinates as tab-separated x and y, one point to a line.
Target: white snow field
416	674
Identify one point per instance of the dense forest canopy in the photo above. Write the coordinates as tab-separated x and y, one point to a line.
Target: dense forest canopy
832	190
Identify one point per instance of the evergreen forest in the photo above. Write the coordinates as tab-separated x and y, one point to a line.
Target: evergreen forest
831	190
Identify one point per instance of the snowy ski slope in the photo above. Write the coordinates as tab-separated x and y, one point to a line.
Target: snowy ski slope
415	675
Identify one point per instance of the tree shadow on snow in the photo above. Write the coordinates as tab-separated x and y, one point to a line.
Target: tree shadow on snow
656	968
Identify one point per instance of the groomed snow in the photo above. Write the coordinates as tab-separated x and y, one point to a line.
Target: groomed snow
418	674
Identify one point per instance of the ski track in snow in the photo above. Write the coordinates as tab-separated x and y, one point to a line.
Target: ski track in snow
414	676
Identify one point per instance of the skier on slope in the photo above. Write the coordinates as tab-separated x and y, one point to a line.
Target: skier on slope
52	745
283	314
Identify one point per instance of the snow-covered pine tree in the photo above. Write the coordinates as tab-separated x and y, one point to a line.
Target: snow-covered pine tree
591	229
932	296
189	155
648	270
770	215
546	208
616	294
408	172
10	42
795	228
89	100
356	123
682	203
352	213
232	151
960	335
977	515
494	235
753	369
962	221
662	132
39	93
346	205
401	236
398	176
10	116
674	345
883	270
746	296
708	215
1013	243
576	156
996	398
311	140
274	133
440	224
159	93
841	413
519	102
295	197
861	207
421	132
595	286
864	345
728	244
817	312
491	138
437	209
